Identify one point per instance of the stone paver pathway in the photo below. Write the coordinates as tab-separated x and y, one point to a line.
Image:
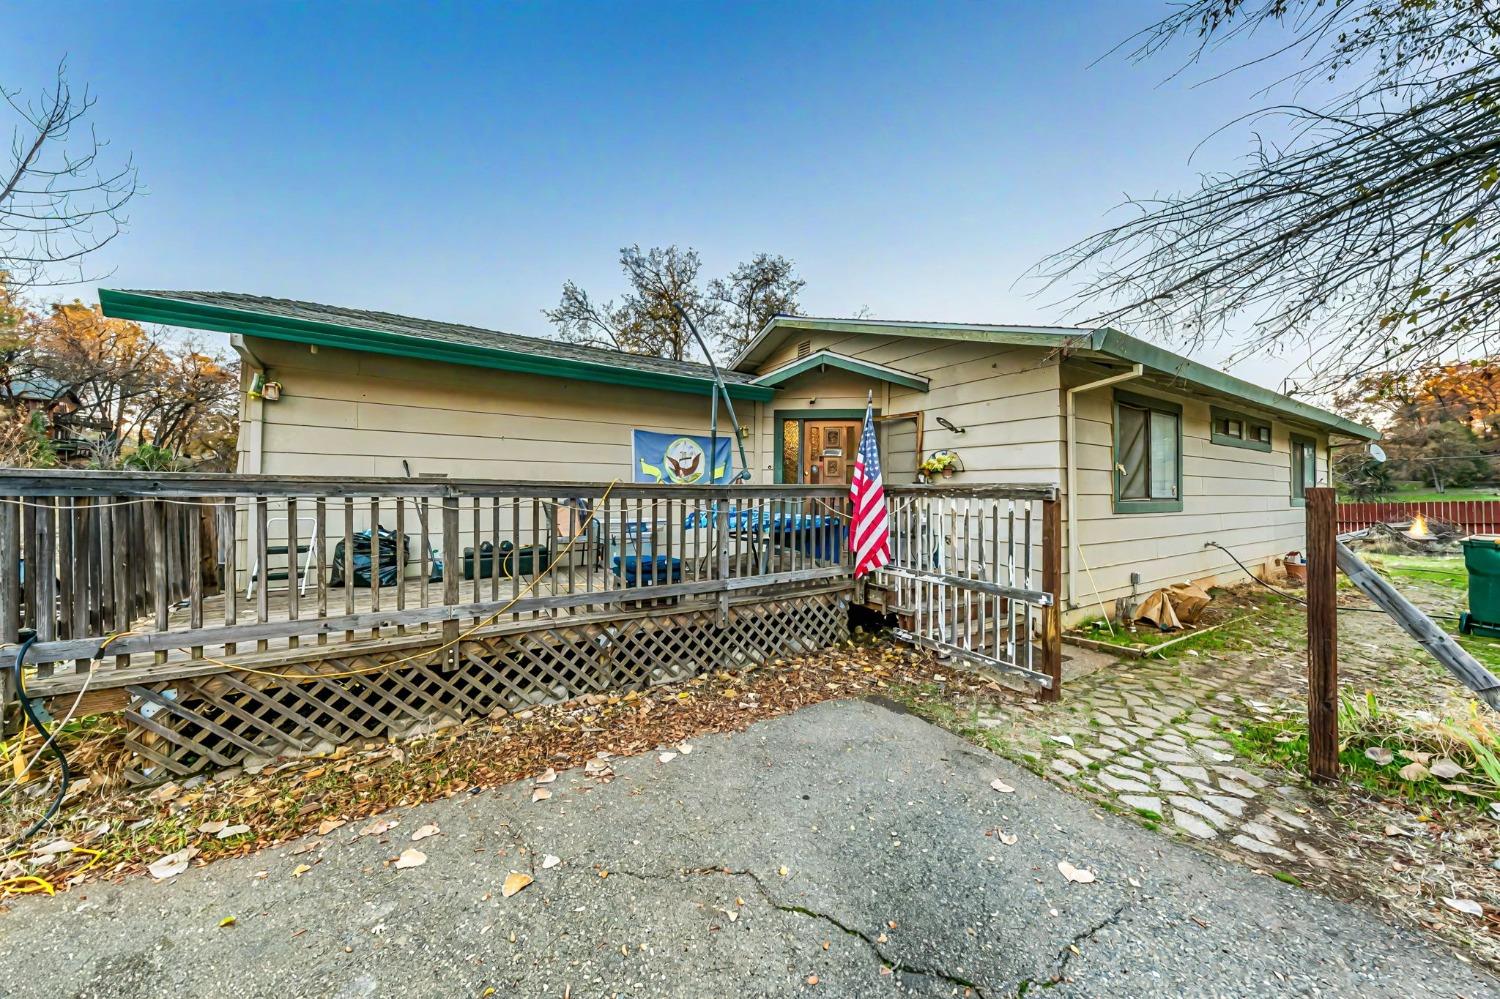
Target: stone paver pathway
1154	737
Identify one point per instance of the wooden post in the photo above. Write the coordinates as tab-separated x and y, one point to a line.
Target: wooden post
1052	584
1322	636
453	566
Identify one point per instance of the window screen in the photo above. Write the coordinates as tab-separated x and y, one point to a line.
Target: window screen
1148	457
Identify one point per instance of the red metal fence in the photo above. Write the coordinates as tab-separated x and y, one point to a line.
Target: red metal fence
1474	516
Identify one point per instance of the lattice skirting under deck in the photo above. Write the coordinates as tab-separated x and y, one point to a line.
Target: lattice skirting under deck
184	726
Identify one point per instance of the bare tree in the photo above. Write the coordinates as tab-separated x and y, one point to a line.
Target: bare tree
663	281
645	321
666	279
59	202
1366	230
752	294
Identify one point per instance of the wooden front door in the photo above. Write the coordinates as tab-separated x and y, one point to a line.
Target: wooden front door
828	448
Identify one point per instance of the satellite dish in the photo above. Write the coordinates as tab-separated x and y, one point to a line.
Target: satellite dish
1376	451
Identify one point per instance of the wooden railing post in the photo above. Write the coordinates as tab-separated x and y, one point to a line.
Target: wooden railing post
721	533
1052	584
453	566
1322	635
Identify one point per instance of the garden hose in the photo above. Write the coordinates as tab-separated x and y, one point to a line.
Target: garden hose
48	740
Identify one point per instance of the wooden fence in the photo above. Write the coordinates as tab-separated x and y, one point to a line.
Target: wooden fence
1473	516
236	617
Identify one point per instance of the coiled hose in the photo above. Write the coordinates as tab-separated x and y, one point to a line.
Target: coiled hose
49	741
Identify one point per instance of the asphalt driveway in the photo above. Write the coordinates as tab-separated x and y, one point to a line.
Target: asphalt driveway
844	850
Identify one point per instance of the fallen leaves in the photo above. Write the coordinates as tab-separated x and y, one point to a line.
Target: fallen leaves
329	825
227	921
1446	769
229	832
540	794
550	861
514	882
300	870
1413	772
411	857
1001	786
1467	906
172	864
666	757
1077	875
425	831
380	827
1380	755
547	776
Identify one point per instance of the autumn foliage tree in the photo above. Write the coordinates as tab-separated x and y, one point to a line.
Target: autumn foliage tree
136	387
1440	424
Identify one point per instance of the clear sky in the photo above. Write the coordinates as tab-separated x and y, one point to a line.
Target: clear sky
460	162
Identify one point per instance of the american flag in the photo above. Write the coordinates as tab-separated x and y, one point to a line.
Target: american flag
869	527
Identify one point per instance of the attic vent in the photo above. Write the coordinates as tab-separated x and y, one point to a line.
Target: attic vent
803	349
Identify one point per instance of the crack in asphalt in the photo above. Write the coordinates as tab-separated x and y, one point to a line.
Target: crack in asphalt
1067	953
870	942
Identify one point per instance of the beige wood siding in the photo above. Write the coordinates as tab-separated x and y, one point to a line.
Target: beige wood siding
1009	402
1004	398
1239	497
346	413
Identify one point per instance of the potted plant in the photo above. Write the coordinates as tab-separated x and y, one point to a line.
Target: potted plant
943	463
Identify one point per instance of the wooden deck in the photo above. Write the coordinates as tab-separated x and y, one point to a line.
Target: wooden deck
119	575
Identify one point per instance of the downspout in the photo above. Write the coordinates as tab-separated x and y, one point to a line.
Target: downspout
1071	434
252	423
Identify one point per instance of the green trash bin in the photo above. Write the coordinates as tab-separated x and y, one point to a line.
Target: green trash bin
1482	559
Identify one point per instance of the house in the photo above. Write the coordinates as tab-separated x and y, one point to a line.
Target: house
1159	457
72	437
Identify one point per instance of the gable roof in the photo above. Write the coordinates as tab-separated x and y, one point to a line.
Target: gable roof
405	336
1094	344
819	359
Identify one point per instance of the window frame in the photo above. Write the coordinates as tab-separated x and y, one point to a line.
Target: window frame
1149	505
1249	425
1298	489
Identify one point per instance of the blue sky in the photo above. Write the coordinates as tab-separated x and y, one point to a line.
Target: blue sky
461	161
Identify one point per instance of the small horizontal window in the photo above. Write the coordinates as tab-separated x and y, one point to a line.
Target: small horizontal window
1238	430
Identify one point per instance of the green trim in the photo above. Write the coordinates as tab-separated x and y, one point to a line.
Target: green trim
1300	499
781	415
843	362
1032	336
1247	425
1104	341
1143	505
1128	348
193	315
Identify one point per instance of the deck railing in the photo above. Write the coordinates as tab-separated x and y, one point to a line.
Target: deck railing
131	567
127	575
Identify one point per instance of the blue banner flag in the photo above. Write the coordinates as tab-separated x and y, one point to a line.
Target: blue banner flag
680	459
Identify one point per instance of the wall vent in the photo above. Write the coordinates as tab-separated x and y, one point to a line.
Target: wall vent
803	349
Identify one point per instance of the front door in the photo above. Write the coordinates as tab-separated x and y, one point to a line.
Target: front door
828	448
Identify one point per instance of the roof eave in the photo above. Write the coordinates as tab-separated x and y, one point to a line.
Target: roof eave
1127	348
222	319
1006	335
